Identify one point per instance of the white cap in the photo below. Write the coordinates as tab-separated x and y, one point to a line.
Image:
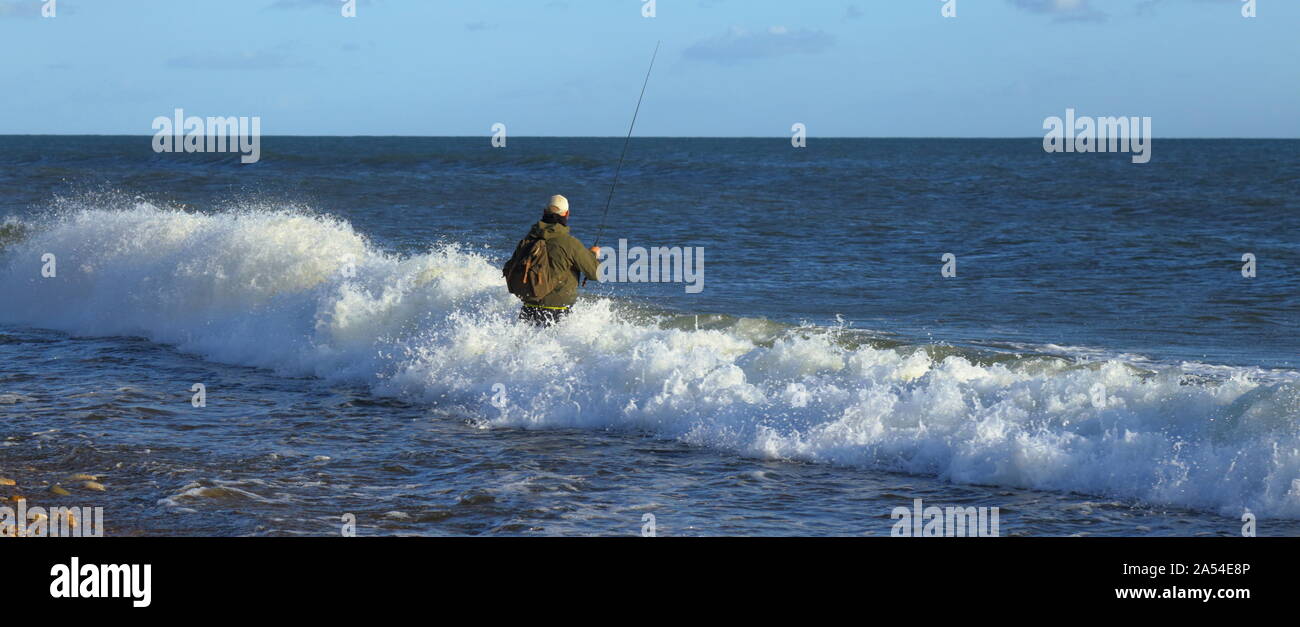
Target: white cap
559	204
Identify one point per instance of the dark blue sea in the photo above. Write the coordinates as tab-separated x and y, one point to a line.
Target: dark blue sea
1113	351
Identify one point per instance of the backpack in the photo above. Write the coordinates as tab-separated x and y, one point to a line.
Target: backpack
528	273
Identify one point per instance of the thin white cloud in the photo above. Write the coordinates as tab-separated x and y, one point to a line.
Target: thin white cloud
1063	10
17	8
740	44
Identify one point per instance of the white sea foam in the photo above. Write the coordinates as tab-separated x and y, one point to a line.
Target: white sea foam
268	288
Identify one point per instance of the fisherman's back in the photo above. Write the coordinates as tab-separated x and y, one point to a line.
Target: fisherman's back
567	260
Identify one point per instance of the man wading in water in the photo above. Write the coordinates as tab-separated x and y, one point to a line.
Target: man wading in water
544	271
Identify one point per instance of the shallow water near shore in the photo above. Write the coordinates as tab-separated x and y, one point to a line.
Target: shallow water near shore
245	465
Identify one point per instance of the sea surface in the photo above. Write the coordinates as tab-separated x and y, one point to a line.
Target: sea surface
1098	365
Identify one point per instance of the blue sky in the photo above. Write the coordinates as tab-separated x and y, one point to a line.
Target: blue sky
851	68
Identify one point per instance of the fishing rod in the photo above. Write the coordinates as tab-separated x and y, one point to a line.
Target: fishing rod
619	169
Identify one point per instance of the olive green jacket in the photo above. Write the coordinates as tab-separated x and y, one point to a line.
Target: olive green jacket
569	258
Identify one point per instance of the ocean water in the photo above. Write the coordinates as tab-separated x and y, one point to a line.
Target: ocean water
1098	366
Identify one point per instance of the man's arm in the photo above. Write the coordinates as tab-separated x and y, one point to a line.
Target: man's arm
585	260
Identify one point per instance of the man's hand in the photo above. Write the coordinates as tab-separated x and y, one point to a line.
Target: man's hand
595	250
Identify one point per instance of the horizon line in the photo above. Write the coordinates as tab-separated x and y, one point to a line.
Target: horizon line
785	137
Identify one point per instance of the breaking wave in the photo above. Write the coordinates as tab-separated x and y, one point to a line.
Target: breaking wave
304	294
